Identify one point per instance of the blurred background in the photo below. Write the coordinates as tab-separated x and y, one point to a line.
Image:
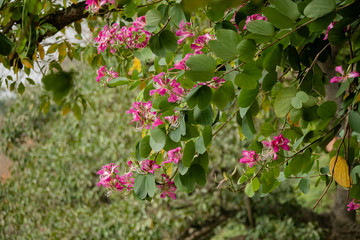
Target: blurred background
48	179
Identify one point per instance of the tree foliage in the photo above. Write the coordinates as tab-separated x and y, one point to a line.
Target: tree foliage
285	71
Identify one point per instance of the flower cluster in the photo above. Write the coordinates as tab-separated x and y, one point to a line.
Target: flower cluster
174	155
200	42
95	5
181	65
353	206
149	166
344	76
103	71
184	31
273	146
111	180
168	188
254	17
143	115
165	85
128	37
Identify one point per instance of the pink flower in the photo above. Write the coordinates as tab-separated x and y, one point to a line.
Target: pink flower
254	17
143	115
140	22
149	166
200	42
168	188
273	146
94	5
344	77
183	31
269	152
181	65
165	85
124	181
331	25
172	119
353	206
249	157
106	174
103	71
280	141
127	37
174	155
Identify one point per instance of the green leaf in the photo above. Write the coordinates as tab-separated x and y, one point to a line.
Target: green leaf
354	121
150	185
327	109
260	27
267	129
246	50
5	45
304	185
177	14
319	8
117	82
277	18
225	44
163	43
157	139
130	9
247	97
140	186
355	174
185	183
273	58
202	68
198	174
77	111
153	18
282	102
189	152
224	95
287	8
205	117
249	190
204	96
255	184
21	88
269	81
144	147
248	79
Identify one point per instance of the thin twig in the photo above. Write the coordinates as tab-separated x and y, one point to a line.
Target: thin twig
312	64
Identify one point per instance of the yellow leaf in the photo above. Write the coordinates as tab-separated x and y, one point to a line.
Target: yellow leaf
357	98
62	51
136	65
66	108
341	172
52	48
41	51
169	171
27	63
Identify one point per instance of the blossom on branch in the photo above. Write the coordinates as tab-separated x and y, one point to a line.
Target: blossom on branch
344	76
201	41
174	155
254	17
104	72
168	188
143	115
331	25
353	206
272	147
149	166
184	31
95	5
165	85
249	158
